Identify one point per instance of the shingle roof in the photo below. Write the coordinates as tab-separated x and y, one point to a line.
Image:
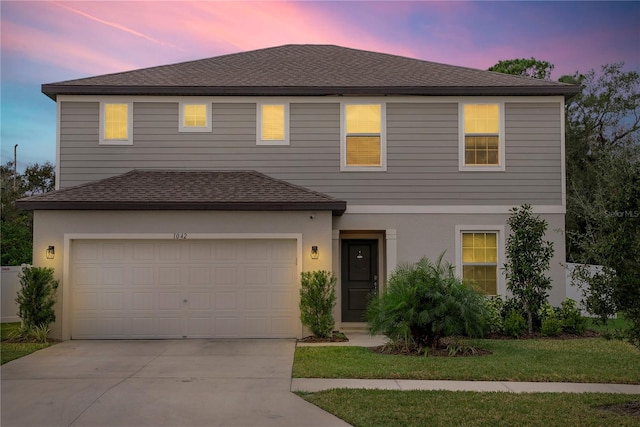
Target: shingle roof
185	190
308	70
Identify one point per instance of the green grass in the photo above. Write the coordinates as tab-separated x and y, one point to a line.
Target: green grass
612	325
574	360
11	351
446	408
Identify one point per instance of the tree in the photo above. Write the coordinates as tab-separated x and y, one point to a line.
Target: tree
524	67
528	258
603	190
16	227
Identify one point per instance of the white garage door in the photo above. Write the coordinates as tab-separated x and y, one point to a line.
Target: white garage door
183	289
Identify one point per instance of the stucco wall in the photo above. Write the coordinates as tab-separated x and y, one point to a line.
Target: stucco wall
51	227
419	235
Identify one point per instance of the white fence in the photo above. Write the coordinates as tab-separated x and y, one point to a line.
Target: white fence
9	286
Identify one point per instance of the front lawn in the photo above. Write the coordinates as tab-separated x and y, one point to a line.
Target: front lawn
10	351
571	360
446	408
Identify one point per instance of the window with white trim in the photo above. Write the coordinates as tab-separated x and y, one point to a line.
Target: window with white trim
195	117
363	145
272	124
116	123
481	136
480	260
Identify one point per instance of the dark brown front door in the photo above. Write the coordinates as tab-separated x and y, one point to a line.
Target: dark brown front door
359	277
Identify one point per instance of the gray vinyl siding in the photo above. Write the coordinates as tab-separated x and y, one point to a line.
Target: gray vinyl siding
422	152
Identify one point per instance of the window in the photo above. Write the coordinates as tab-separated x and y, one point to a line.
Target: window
195	117
273	124
364	144
116	123
480	260
482	141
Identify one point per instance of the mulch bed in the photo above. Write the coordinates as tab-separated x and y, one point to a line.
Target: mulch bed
448	348
629	408
335	337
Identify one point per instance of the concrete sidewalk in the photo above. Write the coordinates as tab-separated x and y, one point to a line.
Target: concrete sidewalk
362	339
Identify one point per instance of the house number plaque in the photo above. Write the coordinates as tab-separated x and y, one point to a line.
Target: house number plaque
179	236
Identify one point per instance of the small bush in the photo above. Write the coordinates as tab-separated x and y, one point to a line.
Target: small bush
317	298
493	308
514	324
571	318
34	334
36	297
551	326
425	302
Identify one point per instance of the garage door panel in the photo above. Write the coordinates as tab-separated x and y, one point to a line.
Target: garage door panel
114	275
144	252
169	275
226	301
86	276
200	251
257	275
142	275
170	252
227	275
142	327
175	289
143	301
113	252
199	274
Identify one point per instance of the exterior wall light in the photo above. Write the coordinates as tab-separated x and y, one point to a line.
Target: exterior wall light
314	252
51	252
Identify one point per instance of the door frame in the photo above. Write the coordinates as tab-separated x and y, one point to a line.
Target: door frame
382	256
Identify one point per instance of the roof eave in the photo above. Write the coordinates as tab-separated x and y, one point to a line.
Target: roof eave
53	90
337	207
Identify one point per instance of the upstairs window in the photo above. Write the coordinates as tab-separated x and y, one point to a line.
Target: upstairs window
480	260
195	117
116	123
482	141
364	144
273	124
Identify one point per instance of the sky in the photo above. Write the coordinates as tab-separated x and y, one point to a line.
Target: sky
51	41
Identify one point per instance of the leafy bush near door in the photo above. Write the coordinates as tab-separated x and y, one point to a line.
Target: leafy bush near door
36	298
317	299
425	302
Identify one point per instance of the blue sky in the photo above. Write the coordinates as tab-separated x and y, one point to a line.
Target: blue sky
50	41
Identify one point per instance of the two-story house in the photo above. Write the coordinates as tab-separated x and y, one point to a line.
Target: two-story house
191	196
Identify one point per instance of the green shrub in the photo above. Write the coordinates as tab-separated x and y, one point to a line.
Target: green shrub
36	297
493	309
514	324
551	326
317	299
425	302
572	320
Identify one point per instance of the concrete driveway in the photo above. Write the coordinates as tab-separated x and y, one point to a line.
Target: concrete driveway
157	383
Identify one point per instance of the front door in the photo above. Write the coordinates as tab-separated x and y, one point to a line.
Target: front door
359	277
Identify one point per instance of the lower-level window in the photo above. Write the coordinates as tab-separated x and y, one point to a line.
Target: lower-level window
480	260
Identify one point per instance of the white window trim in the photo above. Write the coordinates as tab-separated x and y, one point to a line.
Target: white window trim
501	138
205	128
259	140
129	141
383	139
500	229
